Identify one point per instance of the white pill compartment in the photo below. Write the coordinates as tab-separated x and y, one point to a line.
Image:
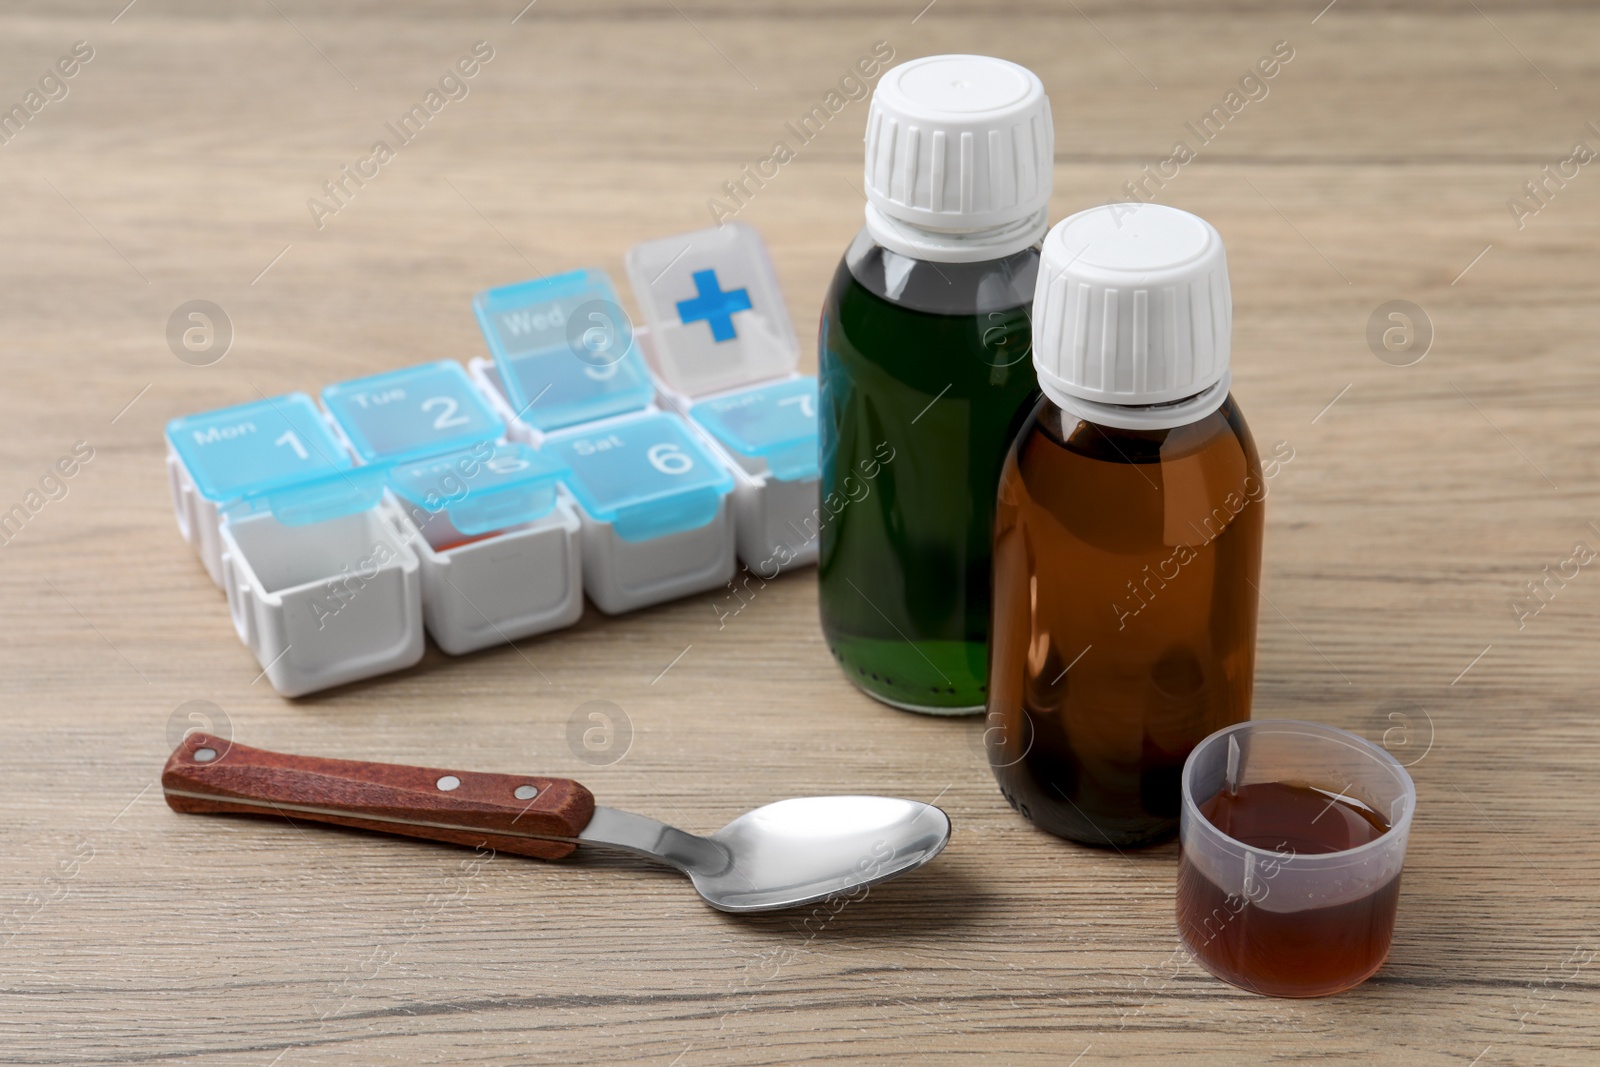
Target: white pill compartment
653	499
217	457
498	547
724	355
657	516
323	603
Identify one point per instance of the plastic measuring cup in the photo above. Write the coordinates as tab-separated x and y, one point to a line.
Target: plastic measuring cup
1282	909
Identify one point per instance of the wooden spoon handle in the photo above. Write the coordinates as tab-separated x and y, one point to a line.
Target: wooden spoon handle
498	811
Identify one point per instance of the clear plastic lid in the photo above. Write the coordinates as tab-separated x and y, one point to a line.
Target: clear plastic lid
564	348
645	474
770	427
261	448
316	499
410	413
715	310
481	489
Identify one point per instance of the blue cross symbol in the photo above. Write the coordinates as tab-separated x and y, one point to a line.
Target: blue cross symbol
713	305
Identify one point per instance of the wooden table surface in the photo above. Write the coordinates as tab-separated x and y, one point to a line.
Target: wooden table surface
1420	503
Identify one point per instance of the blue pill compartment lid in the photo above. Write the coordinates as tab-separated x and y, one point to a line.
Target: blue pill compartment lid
774	425
413	412
318	499
715	310
484	488
268	448
564	348
646	475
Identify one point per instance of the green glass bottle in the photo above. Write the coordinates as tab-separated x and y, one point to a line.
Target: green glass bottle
926	375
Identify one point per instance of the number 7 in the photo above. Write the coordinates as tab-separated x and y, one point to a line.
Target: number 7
807	409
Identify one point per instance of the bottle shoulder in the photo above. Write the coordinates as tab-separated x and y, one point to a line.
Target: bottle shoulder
925	286
1124	492
1221	437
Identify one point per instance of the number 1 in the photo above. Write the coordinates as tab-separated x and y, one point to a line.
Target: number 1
292	439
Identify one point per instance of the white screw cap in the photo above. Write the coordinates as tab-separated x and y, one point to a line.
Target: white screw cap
1133	307
959	144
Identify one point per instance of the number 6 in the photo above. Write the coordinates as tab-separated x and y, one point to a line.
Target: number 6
669	459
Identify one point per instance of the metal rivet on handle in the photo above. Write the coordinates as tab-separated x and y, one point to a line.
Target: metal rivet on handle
526	792
204	755
448	782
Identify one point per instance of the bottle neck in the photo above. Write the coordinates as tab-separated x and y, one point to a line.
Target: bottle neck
1138	416
955	246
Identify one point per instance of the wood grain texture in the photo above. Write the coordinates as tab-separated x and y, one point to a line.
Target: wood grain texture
1420	502
211	775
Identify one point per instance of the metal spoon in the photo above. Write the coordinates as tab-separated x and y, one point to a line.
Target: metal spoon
779	856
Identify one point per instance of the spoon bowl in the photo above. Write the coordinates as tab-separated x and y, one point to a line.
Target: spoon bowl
810	848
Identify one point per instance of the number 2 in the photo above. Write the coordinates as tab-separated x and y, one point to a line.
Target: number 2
447	415
292	439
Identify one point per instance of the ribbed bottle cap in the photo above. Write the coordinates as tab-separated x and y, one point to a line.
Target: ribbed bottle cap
1133	308
962	146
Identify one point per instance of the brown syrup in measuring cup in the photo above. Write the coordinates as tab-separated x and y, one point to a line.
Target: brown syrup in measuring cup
1300	953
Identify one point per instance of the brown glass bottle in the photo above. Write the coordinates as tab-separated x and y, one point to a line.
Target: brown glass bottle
1125	572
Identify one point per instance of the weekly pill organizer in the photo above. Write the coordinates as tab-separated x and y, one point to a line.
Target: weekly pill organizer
636	464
